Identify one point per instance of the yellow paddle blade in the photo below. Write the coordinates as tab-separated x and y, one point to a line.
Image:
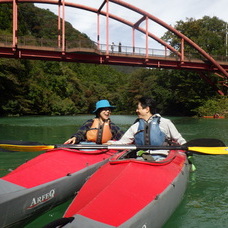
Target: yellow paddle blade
210	150
26	148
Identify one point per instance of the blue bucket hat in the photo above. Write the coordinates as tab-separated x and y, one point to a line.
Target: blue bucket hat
103	104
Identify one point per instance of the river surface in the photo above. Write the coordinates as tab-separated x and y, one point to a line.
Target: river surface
205	204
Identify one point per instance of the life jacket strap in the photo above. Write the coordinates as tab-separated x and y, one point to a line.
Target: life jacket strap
100	133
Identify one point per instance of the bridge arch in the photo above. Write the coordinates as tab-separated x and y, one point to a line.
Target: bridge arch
145	17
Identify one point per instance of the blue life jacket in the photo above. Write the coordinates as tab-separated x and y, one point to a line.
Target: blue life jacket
150	133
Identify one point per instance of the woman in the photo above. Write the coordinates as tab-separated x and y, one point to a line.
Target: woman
100	129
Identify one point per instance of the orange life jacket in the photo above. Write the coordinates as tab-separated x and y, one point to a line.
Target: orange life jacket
99	133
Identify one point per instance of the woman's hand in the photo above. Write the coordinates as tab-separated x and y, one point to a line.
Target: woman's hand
71	141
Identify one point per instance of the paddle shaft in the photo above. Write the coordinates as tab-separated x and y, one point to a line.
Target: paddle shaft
34	148
202	150
119	147
215	147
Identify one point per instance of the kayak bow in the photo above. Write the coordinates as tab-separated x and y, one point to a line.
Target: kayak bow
45	181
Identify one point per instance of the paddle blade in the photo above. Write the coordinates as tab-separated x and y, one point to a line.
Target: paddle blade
21	148
210	150
24	146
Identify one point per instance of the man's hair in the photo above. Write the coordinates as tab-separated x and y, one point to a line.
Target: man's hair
148	102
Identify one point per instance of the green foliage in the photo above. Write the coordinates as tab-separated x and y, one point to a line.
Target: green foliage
208	33
59	88
174	90
213	106
55	88
5	17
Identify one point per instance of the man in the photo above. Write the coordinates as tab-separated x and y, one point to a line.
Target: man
150	128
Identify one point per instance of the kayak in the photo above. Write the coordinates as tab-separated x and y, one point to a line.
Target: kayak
45	181
214	117
129	191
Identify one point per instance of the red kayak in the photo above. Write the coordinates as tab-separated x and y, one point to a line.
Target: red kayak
46	181
130	192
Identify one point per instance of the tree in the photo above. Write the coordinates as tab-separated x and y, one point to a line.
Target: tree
209	33
213	106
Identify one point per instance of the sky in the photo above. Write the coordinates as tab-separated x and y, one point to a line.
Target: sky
166	10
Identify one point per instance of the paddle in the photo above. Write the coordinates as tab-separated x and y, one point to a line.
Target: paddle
202	146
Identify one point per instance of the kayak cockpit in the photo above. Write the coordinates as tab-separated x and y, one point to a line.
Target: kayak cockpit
145	157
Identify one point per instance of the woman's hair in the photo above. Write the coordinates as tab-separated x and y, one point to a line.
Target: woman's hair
98	112
148	102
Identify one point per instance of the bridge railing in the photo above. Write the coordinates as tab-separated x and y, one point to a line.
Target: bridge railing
113	49
7	40
129	50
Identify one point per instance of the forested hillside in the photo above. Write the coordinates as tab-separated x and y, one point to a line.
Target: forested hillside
59	88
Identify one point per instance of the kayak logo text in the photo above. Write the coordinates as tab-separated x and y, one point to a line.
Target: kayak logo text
36	201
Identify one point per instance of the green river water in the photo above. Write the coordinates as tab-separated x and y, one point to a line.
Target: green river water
205	204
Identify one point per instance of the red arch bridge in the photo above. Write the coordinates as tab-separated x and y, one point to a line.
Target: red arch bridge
105	53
